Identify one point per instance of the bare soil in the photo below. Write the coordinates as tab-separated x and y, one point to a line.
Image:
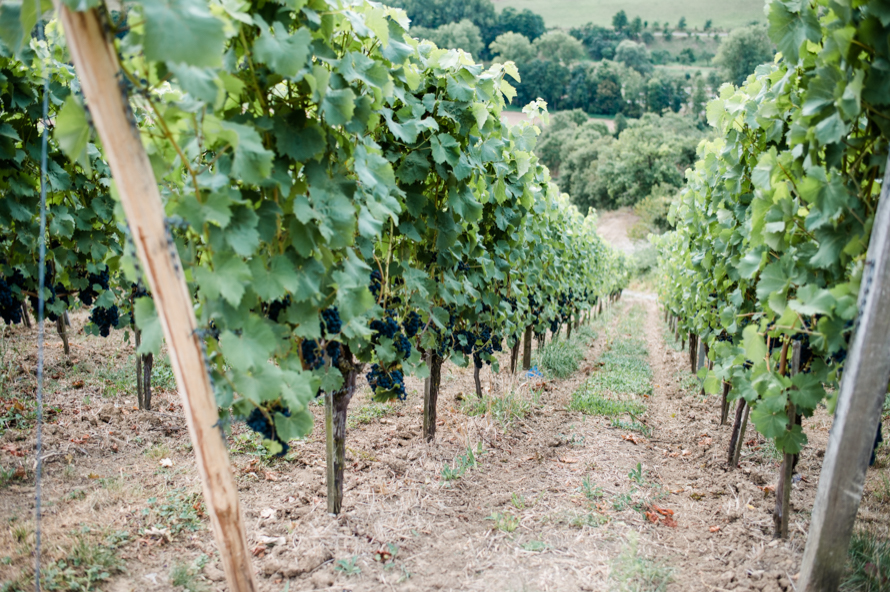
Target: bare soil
615	227
520	519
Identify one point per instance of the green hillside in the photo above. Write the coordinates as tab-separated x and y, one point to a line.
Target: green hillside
571	13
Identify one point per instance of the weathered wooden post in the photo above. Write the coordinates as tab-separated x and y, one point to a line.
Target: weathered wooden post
860	400
97	68
527	349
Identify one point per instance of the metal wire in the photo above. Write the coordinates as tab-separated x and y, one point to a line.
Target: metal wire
41	280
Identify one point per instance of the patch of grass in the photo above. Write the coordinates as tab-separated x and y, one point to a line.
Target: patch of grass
368	413
504	521
83	567
162	377
584	335
560	358
589	401
868	564
506	410
185	576
463	463
632	572
158	451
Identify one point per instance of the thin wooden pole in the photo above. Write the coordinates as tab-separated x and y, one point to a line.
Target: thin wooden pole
430	398
860	399
63	333
527	349
783	487
741	439
95	61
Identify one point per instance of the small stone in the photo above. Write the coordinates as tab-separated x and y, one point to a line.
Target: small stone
214	574
322	579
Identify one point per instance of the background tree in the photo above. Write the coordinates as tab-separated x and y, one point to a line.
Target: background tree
699	96
432	14
559	45
461	35
512	47
523	21
742	51
634	55
681	26
619	21
636	26
599	41
544	79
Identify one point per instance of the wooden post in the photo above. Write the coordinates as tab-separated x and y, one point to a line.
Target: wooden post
26	316
476	380
527	349
63	333
724	406
514	355
430	398
569	328
95	61
736	432
335	407
860	399
783	487
741	439
693	343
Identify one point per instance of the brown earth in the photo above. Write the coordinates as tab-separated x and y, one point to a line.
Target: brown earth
519	519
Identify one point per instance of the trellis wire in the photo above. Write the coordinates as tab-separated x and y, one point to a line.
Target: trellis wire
41	280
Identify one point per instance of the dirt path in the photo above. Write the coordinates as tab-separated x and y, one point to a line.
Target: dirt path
551	499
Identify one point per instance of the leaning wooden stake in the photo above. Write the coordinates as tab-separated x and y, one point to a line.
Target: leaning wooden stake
741	439
783	487
431	396
63	333
860	398
97	68
527	349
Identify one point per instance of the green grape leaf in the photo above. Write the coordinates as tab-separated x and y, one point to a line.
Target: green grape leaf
284	54
812	300
148	322
809	391
755	347
338	106
789	30
72	131
252	349
791	441
769	417
298	425
182	31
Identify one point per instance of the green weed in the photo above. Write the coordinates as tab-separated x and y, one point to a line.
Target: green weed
633	572
590	490
347	566
535	546
180	511
868	564
463	463
505	522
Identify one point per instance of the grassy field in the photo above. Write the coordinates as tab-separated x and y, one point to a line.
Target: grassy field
571	13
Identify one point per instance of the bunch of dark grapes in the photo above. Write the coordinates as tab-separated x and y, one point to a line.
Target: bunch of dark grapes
88	294
388	327
376	283
412	324
330	321
462	267
469	344
312	356
554	326
35	302
258	422
333	350
276	307
105	318
387	381
10	305
403	346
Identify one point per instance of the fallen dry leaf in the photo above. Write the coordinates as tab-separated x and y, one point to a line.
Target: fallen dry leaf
715	528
